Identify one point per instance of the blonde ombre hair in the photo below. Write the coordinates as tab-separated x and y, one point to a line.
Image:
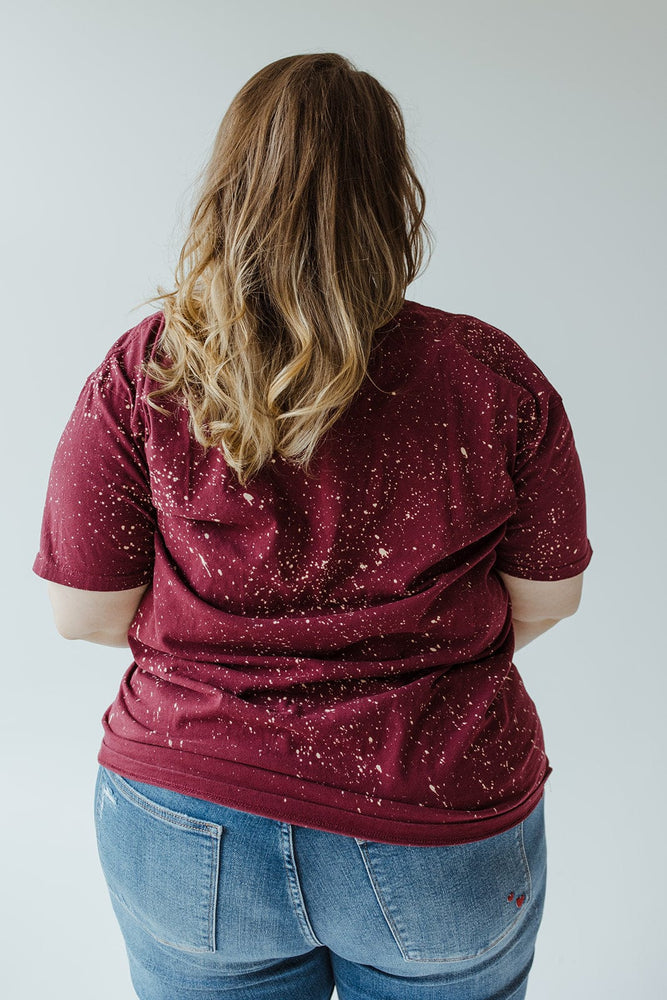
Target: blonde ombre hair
307	229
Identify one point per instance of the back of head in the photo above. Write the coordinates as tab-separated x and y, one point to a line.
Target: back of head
307	229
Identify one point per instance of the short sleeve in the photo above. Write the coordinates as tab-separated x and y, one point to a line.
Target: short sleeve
546	538
98	524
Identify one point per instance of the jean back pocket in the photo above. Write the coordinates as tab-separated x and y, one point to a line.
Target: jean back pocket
161	866
452	903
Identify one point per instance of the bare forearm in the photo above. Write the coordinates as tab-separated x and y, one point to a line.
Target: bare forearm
525	632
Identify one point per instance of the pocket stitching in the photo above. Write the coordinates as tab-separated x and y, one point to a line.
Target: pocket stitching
526	864
213	831
146	930
387	916
464	958
170	816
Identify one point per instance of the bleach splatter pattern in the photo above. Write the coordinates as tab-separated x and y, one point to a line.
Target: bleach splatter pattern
336	651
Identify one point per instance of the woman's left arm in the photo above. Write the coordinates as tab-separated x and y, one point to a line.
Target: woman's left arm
97	540
103	617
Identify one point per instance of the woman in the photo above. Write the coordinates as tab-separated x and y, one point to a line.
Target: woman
322	517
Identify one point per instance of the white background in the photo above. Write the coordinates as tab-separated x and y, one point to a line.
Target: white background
536	131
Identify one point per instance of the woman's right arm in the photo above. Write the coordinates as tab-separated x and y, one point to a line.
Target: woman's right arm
525	632
538	605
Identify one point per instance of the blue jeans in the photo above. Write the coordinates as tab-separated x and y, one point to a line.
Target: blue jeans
215	902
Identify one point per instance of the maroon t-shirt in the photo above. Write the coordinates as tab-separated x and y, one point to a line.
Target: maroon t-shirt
333	651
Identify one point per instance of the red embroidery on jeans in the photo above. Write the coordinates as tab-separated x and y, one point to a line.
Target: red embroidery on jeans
519	899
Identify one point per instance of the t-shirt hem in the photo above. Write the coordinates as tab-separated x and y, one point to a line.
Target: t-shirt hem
564	572
287	801
48	570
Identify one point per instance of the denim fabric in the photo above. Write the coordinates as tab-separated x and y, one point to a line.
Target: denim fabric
215	902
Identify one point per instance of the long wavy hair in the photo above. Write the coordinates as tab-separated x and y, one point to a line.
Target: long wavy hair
308	227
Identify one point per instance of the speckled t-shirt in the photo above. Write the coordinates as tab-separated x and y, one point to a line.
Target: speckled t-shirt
333	651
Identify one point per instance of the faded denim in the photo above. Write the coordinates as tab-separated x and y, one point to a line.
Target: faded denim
214	902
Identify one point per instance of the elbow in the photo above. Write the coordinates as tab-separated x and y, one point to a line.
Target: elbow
546	615
66	633
572	606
